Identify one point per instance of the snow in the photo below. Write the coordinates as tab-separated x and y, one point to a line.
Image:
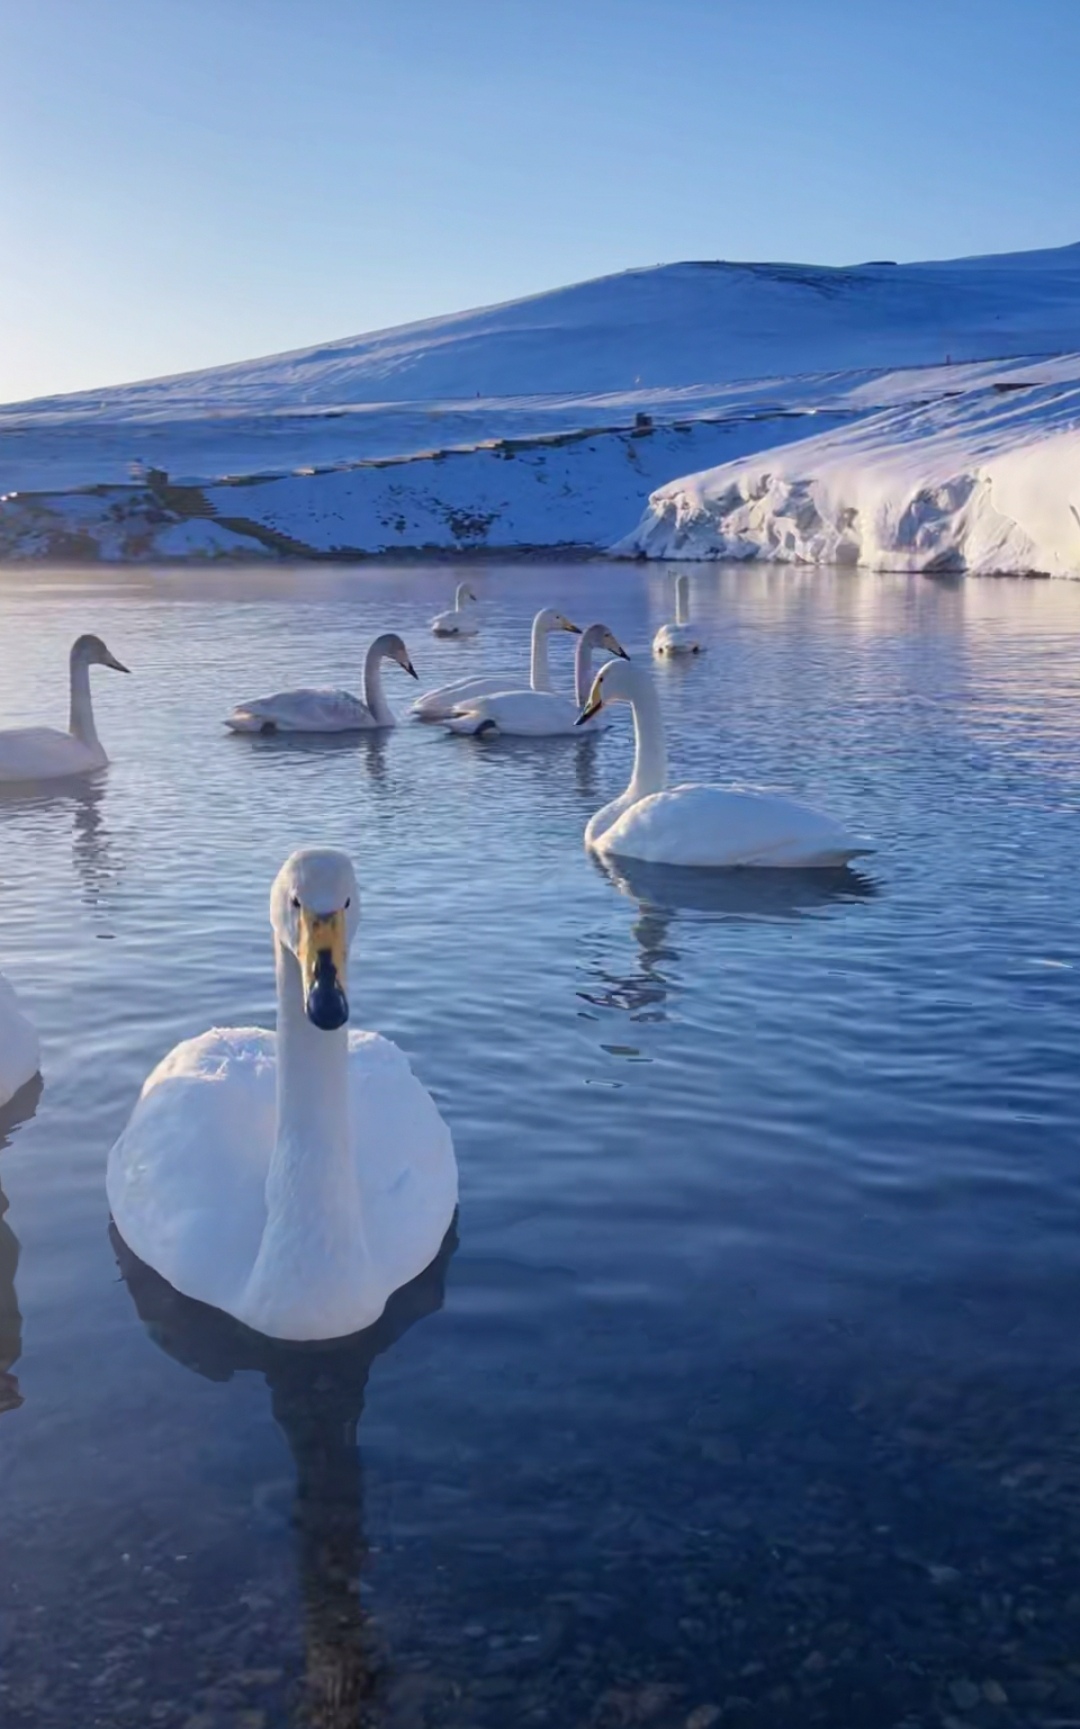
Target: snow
516	426
986	482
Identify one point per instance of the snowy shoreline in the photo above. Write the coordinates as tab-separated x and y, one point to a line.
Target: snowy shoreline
915	417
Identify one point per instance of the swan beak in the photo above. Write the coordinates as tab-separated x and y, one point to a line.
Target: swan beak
321	952
616	647
410	669
593	706
117	665
574	629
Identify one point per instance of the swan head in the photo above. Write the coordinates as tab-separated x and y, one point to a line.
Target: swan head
392	647
462	594
618	681
550	620
314	910
92	652
599	636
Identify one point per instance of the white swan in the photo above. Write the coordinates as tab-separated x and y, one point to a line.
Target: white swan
459	621
539	713
707	827
328	710
20	1049
293	1180
440	704
680	637
42	752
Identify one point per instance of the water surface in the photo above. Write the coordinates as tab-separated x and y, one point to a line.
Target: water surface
747	1387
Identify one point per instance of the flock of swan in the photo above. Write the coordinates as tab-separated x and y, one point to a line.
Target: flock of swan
295	1179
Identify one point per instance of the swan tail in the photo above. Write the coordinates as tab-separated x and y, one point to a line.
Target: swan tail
470	725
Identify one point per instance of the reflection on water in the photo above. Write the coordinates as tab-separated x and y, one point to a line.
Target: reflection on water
93	850
754	1390
736	894
317	1398
17	1110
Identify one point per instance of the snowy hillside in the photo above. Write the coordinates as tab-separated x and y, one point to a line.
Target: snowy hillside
987	481
548	422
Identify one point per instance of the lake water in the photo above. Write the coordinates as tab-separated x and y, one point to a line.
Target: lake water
747	1394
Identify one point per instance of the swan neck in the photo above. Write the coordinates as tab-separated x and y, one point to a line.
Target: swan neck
583	668
682	600
311	1176
373	687
459	596
81	720
650	750
539	669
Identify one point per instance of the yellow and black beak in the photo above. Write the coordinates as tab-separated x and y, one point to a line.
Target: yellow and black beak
410	669
616	647
321	952
574	629
594	704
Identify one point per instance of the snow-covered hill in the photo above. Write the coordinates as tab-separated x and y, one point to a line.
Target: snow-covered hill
545	422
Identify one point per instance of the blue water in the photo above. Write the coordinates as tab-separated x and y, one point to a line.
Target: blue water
748	1386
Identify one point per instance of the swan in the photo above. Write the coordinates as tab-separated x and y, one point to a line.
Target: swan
328	710
539	713
294	1180
440	704
42	752
680	637
458	621
707	827
20	1050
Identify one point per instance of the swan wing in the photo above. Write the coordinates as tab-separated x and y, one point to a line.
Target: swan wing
518	714
302	711
715	827
43	753
438	704
677	639
186	1180
453	624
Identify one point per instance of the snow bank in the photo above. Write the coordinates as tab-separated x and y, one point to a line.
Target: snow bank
986	482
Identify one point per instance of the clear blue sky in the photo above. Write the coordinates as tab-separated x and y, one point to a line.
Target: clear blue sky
186	182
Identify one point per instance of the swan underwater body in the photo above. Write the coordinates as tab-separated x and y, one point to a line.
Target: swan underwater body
705	827
328	710
459	621
20	1049
440	704
539	713
294	1180
44	753
680	637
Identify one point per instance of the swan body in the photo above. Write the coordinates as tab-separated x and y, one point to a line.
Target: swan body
20	1049
328	710
459	621
44	753
539	713
704	827
293	1179
680	637
440	704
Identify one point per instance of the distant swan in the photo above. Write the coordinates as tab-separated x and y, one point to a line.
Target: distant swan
328	710
20	1049
708	827
294	1180
43	753
440	704
459	621
539	713
680	637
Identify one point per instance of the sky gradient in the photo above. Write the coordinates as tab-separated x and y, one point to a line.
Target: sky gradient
189	182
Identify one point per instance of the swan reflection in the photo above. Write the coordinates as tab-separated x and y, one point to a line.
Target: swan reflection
92	850
666	894
17	1110
317	1398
